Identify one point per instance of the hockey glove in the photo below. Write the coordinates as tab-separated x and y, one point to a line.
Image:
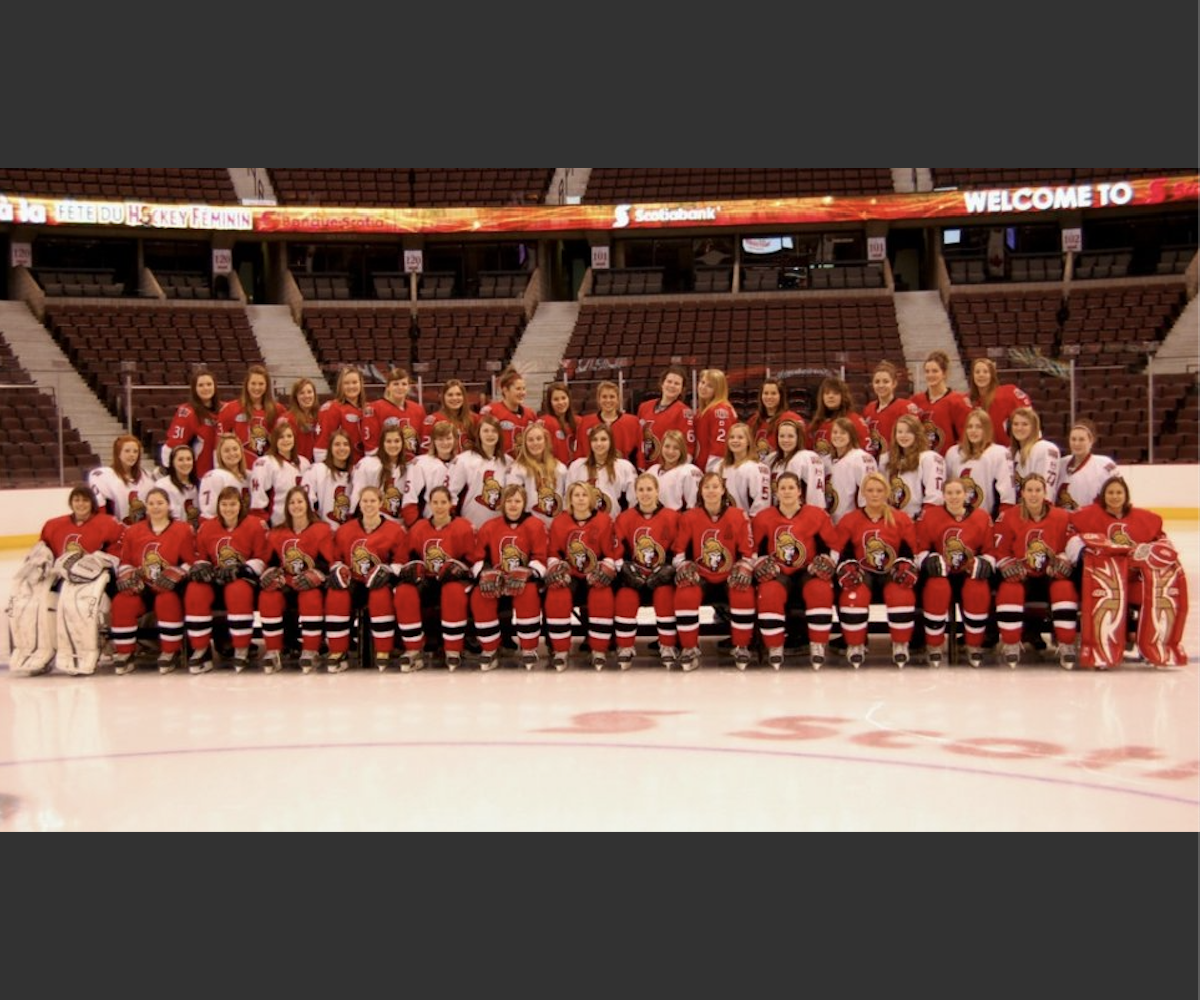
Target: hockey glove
310	579
981	569
454	570
559	576
88	569
491	583
767	569
378	577
515	582
1060	567
687	574
904	573
170	578
934	566
203	572
1014	570
664	576
339	577
604	575
273	579
823	568
849	574
129	581
742	575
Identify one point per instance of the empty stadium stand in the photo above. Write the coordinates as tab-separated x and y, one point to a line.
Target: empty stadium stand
609	185
29	432
164	343
454	342
422	187
808	337
210	185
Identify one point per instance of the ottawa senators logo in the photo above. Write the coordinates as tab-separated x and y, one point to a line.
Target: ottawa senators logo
363	559
823	447
74	546
489	495
191	513
410	438
1037	553
647	553
153	564
788	549
957	552
933	435
341	506
295	559
393	500
435	557
1065	500
831	496
974	493
899	494
877	554
714	557
137	509
227	555
650	444
875	443
600	502
581	558
549	503
511	556
1119	535
259	440
764	449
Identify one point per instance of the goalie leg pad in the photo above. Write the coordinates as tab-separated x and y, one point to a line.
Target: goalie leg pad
83	611
31	623
1164	602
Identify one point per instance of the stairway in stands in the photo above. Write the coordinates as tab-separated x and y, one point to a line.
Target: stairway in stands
285	349
540	352
924	328
37	352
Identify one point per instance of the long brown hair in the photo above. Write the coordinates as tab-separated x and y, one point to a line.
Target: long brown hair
907	459
269	405
117	467
820	415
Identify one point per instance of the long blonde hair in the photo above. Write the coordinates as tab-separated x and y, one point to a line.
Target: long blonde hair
889	515
902	459
1023	448
545	469
720	384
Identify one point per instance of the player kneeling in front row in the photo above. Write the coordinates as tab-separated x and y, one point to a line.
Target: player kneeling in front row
59	603
156	555
1130	570
646	534
953	541
1031	551
509	564
877	545
792	569
231	550
714	562
302	552
435	578
581	570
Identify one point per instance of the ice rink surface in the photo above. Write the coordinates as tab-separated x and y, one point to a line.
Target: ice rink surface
1036	749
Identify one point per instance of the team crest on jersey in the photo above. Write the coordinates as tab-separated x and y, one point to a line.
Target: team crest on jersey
647	553
599	500
877	554
650	444
714	557
957	552
581	558
511	556
363	559
900	493
74	546
153	563
435	556
1037	552
392	500
191	513
548	503
410	438
831	496
933	435
259	441
489	495
227	555
974	493
295	559
1118	534
137	509
1065	500
341	506
823	447
875	444
788	549
764	449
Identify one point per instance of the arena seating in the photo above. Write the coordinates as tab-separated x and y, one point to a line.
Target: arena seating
165	343
185	285
423	187
609	185
455	342
1103	329
992	177
80	283
209	185
807	336
29	432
